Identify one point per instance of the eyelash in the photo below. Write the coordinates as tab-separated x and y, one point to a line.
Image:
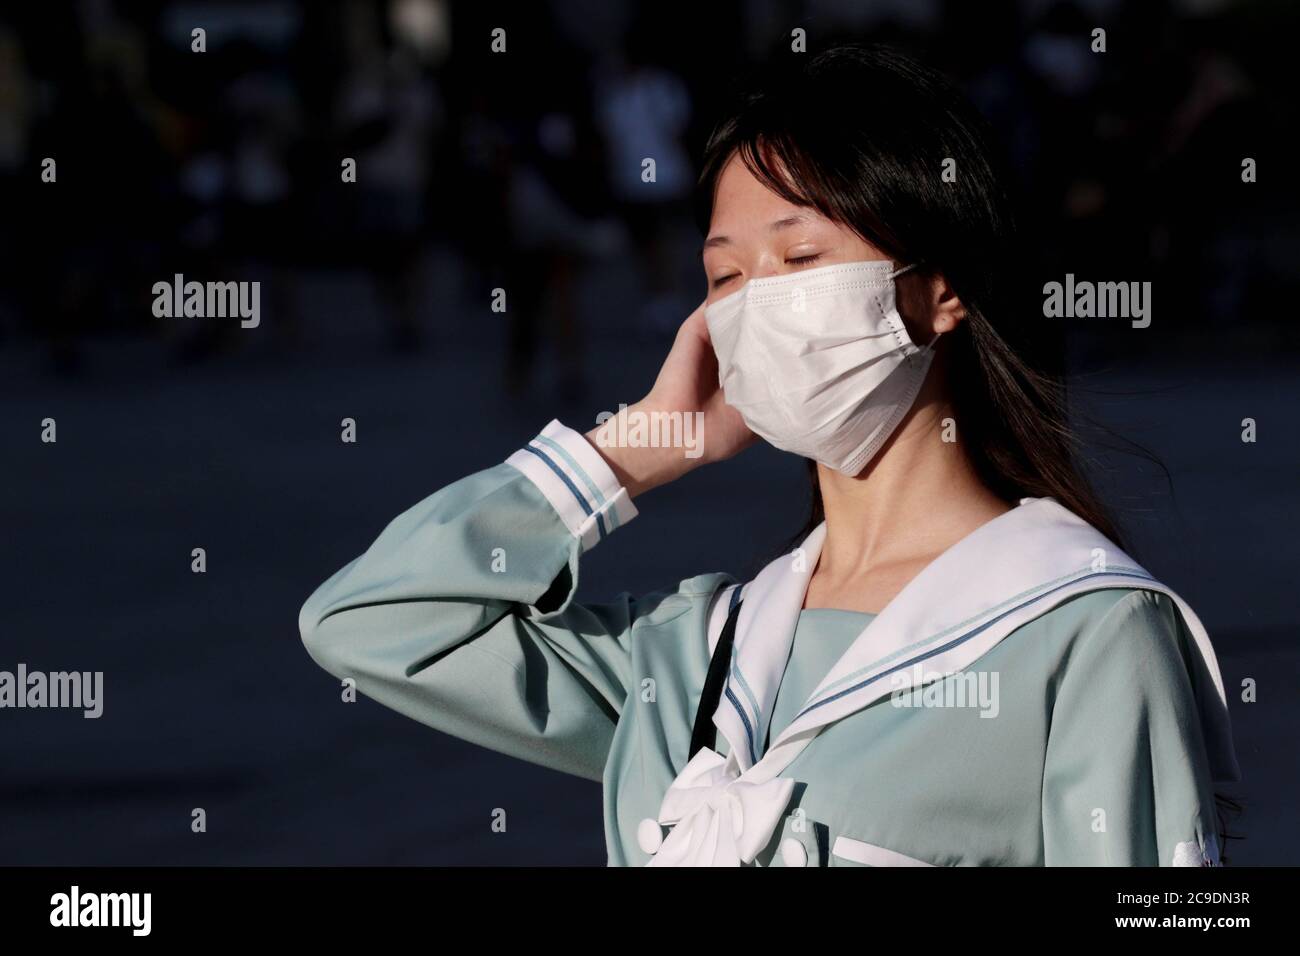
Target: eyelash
800	261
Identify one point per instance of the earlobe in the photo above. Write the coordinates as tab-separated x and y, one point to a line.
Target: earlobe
947	321
948	309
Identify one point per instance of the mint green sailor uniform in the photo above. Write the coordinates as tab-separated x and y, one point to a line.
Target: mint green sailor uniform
1033	697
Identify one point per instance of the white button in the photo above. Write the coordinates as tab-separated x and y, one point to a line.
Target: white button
649	836
793	852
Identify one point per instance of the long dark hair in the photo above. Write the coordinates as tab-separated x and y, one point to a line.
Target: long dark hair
864	134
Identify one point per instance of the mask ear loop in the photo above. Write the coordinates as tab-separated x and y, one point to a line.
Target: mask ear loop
929	346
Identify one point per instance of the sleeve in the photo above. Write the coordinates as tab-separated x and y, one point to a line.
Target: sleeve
1126	779
460	614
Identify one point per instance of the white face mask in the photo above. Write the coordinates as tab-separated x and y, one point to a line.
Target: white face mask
818	362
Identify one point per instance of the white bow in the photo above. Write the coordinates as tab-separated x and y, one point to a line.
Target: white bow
721	819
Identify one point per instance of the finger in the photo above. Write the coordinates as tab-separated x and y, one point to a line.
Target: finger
696	325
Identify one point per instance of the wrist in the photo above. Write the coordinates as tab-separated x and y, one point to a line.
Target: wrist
628	441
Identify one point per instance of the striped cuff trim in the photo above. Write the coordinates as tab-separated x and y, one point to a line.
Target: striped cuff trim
576	481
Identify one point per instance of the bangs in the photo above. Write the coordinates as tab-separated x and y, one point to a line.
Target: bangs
781	157
779	164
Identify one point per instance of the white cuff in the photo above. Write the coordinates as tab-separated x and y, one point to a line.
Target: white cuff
576	481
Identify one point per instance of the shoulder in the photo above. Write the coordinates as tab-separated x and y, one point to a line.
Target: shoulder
1103	614
1132	636
1136	618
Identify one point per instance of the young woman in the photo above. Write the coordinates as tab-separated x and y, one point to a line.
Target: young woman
958	664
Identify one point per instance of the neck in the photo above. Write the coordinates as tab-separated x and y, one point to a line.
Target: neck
917	498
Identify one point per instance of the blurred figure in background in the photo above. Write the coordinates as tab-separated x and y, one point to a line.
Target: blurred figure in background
389	112
554	237
265	120
645	110
546	153
16	108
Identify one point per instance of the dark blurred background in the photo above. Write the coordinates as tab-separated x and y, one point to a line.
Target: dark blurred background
521	170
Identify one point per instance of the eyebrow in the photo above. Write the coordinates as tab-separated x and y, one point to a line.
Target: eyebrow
774	226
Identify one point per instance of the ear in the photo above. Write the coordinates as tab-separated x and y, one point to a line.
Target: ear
928	305
945	309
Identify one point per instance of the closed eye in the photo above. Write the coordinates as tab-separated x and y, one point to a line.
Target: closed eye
797	261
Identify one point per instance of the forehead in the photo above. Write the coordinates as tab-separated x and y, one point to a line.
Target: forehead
740	196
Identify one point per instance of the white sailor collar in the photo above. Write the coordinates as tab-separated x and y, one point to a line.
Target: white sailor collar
1007	572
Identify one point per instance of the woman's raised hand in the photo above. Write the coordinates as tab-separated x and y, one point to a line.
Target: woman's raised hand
685	391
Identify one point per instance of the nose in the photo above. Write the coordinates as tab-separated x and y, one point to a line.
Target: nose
767	264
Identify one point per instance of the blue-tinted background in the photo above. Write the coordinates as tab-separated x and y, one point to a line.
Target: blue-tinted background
519	171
